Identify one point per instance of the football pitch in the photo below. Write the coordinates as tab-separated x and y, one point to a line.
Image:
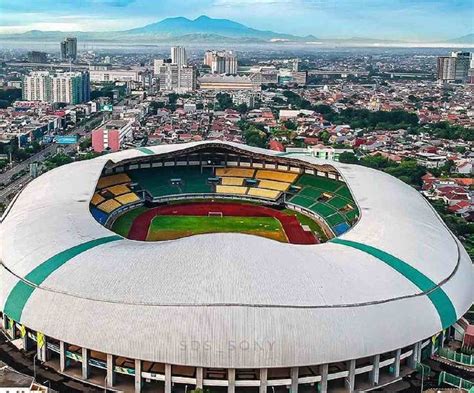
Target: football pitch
174	227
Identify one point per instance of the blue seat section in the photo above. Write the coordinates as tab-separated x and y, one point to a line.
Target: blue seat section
99	215
341	228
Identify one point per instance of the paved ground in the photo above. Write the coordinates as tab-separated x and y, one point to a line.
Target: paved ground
11	187
23	363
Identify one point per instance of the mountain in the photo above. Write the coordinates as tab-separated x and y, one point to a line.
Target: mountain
201	29
204	25
466	39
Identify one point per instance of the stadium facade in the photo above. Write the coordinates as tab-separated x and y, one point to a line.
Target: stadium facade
230	311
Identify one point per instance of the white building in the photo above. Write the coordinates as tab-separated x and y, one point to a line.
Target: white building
176	78
37	86
221	62
67	87
178	56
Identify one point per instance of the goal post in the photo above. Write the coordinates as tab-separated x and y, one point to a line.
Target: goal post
215	214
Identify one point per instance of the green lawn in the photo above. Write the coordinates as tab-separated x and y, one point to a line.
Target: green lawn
305	220
167	227
123	224
204	224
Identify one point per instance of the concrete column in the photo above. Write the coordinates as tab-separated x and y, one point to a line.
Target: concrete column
374	374
411	362
86	368
324	370
418	352
350	381
12	331
62	356
294	379
396	363
138	375
167	378
231	380
28	343
263	380
199	377
110	370
42	351
442	338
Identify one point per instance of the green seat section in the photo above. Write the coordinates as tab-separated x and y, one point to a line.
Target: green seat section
311	193
338	202
344	192
323	210
157	181
302	201
319	182
335	219
351	215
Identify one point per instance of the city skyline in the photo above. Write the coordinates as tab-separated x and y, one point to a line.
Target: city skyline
421	20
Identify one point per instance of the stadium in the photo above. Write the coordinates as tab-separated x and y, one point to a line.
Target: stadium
225	267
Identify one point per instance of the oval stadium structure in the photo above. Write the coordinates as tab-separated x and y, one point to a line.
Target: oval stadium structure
229	311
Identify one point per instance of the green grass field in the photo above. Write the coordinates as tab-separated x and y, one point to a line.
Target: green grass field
123	223
174	227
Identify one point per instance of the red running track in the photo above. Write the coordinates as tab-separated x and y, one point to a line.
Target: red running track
292	227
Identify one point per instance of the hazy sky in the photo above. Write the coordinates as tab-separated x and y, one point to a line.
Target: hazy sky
397	19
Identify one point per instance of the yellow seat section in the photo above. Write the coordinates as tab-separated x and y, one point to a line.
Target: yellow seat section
273	185
109	206
231	190
232	181
127	198
112	180
264	193
235	172
287	177
119	189
97	198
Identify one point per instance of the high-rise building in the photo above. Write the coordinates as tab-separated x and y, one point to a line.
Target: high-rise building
454	68
221	62
463	62
37	86
69	48
178	56
157	63
178	79
37	57
67	87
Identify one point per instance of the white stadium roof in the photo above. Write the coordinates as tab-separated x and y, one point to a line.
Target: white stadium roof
232	300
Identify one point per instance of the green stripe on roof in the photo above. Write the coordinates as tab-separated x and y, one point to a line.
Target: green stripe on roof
438	297
22	291
145	150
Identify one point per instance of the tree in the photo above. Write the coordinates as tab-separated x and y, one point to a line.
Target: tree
224	101
290	125
348	157
242	108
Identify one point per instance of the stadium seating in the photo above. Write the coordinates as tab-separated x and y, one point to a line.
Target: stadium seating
231	190
118	189
232	181
235	172
274	185
125	199
112	180
157	181
319	182
330	199
287	177
263	193
96	199
109	205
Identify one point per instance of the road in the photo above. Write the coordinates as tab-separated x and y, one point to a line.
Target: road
17	184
